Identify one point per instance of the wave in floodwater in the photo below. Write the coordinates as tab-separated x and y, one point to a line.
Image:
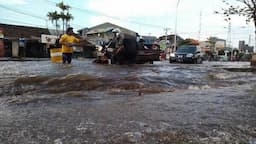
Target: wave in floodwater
80	79
141	84
82	82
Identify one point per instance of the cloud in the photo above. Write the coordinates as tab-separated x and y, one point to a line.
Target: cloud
12	2
101	19
132	8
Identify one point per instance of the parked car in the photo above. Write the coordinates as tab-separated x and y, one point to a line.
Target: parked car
187	54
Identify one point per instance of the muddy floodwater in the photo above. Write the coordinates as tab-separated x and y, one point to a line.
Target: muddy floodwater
161	103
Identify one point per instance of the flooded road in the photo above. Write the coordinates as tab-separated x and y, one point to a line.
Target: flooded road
43	102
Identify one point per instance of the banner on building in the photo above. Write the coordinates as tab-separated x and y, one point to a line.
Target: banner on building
48	39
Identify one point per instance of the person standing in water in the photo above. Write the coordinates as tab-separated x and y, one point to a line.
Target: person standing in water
67	41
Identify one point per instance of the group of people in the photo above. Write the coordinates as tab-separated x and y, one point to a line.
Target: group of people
119	42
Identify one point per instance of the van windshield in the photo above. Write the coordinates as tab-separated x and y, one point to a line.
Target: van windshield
186	49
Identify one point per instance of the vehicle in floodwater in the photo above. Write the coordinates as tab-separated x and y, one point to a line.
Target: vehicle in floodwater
131	53
187	54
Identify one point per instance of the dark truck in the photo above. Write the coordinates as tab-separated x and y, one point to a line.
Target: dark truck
187	54
131	53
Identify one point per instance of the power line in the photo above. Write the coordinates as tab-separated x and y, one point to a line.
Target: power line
21	12
31	15
200	25
79	9
25	23
112	17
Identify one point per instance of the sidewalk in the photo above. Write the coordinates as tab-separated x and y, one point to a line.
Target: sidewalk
23	59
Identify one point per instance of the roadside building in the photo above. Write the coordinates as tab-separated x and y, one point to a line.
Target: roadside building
245	47
26	41
167	44
220	44
23	41
1	43
102	32
169	41
205	46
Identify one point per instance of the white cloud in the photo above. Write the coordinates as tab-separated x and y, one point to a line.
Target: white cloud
163	13
12	2
132	7
101	19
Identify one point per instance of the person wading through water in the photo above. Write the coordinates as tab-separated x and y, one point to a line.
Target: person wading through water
125	47
67	41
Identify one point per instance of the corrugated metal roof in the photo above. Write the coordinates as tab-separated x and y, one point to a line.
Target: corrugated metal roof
102	30
14	31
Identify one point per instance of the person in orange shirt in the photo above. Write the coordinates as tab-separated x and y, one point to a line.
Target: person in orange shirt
67	41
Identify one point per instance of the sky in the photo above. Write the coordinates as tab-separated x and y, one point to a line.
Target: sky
188	18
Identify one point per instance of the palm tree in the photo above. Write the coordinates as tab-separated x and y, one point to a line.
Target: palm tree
64	15
68	18
62	6
54	17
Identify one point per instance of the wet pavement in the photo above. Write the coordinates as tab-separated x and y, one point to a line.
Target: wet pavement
43	102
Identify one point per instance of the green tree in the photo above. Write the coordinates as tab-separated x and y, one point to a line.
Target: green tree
245	8
64	15
54	17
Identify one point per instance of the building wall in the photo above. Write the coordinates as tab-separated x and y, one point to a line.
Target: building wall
241	45
1	48
92	34
220	45
15	48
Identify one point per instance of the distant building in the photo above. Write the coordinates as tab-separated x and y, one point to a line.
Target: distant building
102	32
171	38
29	37
245	47
241	45
220	44
25	41
205	46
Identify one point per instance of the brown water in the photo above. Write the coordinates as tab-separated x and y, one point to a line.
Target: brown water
43	102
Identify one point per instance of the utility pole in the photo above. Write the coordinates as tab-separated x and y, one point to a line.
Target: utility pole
167	49
166	34
176	17
250	39
200	26
229	35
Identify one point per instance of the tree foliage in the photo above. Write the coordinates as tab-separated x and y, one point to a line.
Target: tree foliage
64	15
245	8
54	17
